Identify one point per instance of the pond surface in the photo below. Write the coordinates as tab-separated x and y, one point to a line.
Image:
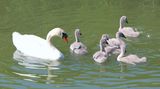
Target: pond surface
93	18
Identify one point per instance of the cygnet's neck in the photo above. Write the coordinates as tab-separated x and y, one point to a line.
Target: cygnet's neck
121	23
122	50
117	36
101	46
77	37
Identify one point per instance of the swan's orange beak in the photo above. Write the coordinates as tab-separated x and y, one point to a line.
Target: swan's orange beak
65	39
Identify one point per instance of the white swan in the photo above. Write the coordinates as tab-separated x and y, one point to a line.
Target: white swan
34	46
116	42
101	56
130	59
78	47
127	31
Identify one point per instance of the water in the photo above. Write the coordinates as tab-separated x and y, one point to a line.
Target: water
94	18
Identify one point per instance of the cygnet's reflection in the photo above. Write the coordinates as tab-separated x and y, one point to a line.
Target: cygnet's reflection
36	63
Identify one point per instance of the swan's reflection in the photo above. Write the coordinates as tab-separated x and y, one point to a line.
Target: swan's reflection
123	67
37	64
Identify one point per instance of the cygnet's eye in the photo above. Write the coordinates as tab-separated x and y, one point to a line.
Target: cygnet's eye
122	35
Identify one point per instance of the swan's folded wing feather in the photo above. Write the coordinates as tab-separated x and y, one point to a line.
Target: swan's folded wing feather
113	42
32	45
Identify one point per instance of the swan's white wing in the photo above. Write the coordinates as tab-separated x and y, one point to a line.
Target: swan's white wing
129	32
27	42
127	29
127	60
136	59
35	46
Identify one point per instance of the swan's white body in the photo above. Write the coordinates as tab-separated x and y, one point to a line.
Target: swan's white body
130	59
127	31
78	47
34	46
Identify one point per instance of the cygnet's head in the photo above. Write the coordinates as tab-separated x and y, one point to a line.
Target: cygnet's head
123	19
78	33
120	34
104	39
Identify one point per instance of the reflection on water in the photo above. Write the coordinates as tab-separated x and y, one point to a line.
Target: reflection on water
36	64
32	62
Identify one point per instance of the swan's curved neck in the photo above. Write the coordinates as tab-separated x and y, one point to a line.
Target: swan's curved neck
101	46
48	38
51	34
76	37
121	24
121	54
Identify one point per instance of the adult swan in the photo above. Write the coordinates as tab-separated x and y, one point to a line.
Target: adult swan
34	46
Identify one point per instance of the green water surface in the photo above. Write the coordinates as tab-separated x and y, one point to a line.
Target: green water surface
93	18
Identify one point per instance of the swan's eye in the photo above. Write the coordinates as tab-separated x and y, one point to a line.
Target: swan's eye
122	35
64	35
